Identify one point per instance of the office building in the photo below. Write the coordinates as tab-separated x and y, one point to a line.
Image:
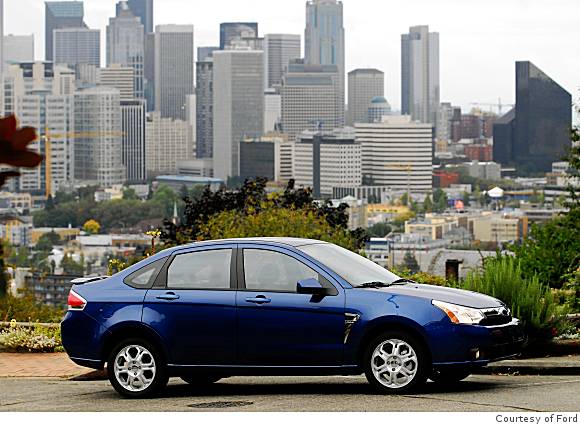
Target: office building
61	15
279	50
272	110
174	66
40	94
377	109
204	53
269	156
238	105
149	71
168	141
119	77
230	31
537	131
17	49
398	153
126	45
143	9
133	124
1	36
311	98
325	160
204	108
363	86
420	87
77	46
324	39
99	144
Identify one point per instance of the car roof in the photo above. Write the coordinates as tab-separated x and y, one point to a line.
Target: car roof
288	241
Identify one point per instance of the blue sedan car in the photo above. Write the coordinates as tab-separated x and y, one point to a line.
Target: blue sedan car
275	306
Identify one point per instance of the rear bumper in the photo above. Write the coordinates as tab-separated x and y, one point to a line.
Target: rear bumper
478	345
82	339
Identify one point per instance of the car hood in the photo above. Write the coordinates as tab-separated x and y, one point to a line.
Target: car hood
445	294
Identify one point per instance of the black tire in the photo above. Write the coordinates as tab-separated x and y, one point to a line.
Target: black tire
200	380
449	376
159	378
421	367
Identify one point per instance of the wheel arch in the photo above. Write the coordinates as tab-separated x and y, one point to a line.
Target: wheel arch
381	325
132	330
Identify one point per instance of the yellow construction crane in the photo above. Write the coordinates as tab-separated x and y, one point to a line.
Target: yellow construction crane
49	137
499	105
404	167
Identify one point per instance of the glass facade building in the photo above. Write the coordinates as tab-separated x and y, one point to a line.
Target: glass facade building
537	132
143	9
229	31
60	15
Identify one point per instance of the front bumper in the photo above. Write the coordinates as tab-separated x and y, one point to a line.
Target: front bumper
477	345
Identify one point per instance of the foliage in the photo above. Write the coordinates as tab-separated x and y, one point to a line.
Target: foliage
28	309
529	299
380	230
440	200
573	160
92	227
410	263
423	278
250	212
37	339
427	204
552	251
47	241
72	267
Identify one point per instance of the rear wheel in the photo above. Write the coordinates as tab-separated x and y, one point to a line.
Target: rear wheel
395	363
136	369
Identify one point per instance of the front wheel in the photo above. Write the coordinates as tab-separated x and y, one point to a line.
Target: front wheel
136	369
395	363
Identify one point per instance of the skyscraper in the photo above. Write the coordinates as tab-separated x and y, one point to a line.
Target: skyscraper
204	53
311	95
149	71
537	132
174	66
126	44
420	87
230	31
363	86
1	36
60	15
133	128
204	108
324	37
279	49
168	141
120	77
99	148
41	95
238	99
18	49
143	9
77	46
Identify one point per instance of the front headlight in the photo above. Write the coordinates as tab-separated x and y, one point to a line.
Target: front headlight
460	314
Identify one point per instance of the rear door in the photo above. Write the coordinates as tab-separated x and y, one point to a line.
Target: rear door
276	325
192	306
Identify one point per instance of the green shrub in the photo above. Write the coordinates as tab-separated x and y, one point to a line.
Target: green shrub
28	309
36	339
530	301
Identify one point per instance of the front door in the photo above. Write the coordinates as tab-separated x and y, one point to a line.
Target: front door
276	325
194	309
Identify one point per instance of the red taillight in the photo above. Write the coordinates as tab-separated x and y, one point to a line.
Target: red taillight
75	301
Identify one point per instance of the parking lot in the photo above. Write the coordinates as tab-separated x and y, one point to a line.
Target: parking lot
478	393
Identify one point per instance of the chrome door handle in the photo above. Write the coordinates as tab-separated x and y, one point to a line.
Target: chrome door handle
260	300
168	296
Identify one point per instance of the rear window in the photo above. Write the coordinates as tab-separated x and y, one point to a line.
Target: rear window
144	277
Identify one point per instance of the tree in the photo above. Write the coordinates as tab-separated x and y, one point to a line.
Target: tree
250	210
130	194
573	160
380	230
72	267
440	200
410	263
427	205
466	199
92	227
47	241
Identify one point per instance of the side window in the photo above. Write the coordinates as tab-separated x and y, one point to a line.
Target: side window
266	270
207	270
143	278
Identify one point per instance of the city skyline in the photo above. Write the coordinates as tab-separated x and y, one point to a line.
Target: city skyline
487	44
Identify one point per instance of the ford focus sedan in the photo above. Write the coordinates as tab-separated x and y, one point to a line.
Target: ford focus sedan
277	306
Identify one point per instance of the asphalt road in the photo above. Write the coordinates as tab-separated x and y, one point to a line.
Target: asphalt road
479	393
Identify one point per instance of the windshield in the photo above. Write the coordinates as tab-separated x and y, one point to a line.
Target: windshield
352	267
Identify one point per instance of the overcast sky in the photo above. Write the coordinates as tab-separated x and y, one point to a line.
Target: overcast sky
480	40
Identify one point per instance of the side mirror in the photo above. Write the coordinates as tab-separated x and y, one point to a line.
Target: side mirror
310	286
